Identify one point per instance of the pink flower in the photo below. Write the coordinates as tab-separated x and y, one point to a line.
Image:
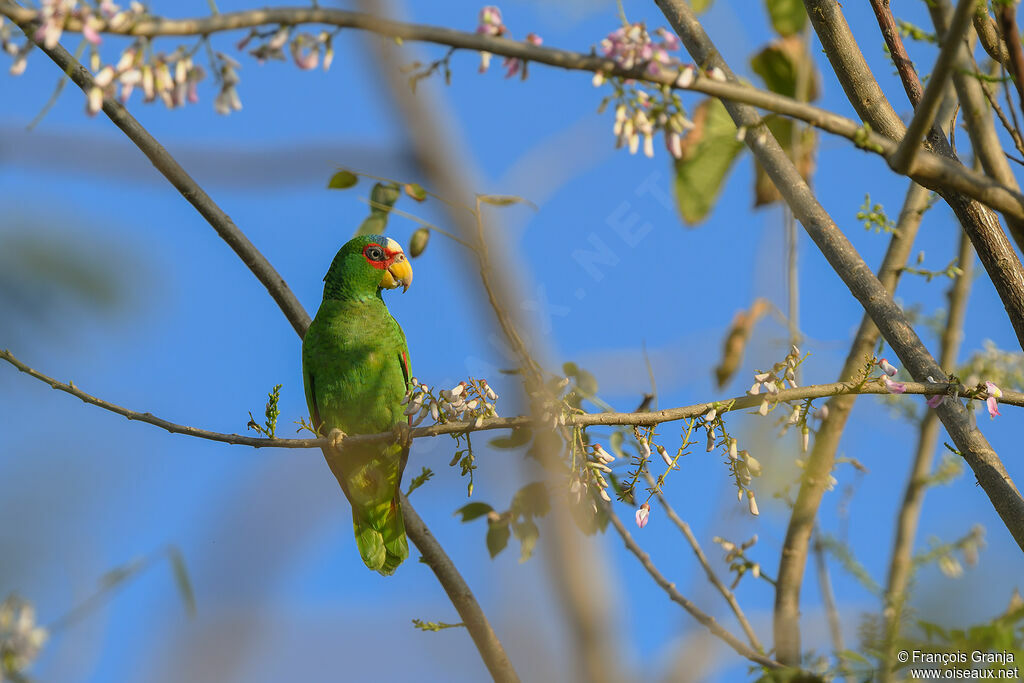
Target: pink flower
642	515
936	400
991	403
490	22
893	387
887	367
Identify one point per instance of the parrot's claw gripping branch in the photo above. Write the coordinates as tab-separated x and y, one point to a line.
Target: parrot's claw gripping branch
334	439
403	434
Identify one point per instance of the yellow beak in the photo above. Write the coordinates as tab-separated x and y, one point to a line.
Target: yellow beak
399	274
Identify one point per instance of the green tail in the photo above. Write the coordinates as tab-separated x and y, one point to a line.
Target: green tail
380	535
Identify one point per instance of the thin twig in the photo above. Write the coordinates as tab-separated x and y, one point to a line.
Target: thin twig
928	107
706	620
729	596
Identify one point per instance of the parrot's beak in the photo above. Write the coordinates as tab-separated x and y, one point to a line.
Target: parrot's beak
398	274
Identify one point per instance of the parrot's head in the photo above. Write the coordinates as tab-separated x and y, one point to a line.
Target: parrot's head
365	265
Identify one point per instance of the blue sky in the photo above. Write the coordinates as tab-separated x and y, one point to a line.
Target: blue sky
194	338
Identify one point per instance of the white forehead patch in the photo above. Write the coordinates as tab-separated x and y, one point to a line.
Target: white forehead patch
392	245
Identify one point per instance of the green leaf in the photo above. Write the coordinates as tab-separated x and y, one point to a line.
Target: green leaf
531	500
527	533
182	580
384	196
708	153
788	16
434	626
519	436
700	5
586	382
497	537
471	511
784	131
416	191
374	224
504	200
342	180
779	65
615	443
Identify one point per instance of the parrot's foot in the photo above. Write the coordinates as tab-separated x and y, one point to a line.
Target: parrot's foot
335	437
403	434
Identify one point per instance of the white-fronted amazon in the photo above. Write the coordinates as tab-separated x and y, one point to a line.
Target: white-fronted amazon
355	363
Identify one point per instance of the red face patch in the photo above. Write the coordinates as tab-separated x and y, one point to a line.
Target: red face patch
380	257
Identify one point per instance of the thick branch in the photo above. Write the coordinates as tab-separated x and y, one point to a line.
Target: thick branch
483	636
461	596
864	93
848	264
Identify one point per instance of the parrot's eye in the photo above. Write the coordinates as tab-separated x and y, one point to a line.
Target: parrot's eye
374	253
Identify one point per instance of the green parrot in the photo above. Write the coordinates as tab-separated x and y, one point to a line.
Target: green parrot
355	365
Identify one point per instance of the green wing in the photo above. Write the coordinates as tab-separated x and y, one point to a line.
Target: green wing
356	369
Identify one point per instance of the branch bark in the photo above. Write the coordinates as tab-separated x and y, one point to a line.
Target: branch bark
848	264
483	636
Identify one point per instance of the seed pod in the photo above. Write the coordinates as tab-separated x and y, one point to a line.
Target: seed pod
418	242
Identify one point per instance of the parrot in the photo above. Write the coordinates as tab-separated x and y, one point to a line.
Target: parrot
355	366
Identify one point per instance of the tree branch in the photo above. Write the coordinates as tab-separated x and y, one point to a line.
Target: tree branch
706	620
863	92
487	643
851	268
913	497
644	419
177	176
928	169
928	107
459	593
1007	13
729	596
821	460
